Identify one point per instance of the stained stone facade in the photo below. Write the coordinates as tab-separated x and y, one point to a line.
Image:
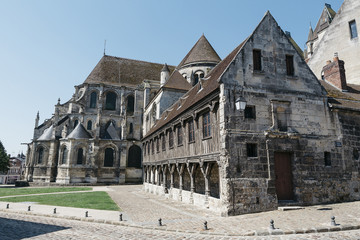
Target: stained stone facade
257	131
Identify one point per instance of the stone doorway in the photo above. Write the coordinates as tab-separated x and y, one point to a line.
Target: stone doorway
283	176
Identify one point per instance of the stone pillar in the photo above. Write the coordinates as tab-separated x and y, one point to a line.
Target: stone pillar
172	169
180	169
164	170
191	167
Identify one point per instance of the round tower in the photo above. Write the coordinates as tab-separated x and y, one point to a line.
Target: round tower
165	74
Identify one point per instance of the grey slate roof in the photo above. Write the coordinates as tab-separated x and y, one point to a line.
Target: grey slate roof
47	134
202	51
79	133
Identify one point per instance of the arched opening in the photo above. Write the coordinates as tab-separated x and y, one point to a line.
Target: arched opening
64	155
130	105
40	155
176	179
186	180
79	159
89	125
134	156
110	103
93	99
197	76
109	157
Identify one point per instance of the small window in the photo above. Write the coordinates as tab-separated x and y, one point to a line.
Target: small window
163	142
251	149
148	148
145	148
191	131
110	103
289	65
282	119
250	112
131	128
257	60
64	155
327	159
206	125
130	105
152	147
353	30
171	139
179	135
76	122
109	157
79	160
157	145
89	125
93	99
356	154
40	155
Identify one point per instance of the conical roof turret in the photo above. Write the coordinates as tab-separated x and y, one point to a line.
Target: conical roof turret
201	52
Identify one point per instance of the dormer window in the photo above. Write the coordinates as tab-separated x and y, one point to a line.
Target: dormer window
197	76
93	99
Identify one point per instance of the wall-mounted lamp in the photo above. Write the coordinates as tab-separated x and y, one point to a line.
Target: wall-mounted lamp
240	103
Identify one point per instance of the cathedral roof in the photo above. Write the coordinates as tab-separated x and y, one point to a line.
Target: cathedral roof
47	134
177	81
202	51
79	133
121	71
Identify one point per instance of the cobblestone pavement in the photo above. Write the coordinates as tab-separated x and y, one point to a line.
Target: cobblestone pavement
141	212
15	226
146	208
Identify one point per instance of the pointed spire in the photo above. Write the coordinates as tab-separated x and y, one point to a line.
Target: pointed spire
202	51
37	120
165	68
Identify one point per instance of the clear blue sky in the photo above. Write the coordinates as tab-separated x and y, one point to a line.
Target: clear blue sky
48	47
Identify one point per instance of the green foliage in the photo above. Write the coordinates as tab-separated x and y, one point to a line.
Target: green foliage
89	200
4	159
26	191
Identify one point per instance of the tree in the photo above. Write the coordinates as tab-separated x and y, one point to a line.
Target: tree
4	159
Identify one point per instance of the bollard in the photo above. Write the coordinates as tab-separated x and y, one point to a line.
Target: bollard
29	208
205	225
160	223
120	216
272	225
86	214
54	210
333	223
7	206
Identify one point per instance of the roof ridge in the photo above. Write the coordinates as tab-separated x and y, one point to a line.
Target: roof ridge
136	60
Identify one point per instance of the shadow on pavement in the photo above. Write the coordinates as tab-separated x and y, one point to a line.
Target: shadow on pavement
18	229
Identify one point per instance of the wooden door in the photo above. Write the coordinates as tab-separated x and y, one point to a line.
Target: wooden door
283	176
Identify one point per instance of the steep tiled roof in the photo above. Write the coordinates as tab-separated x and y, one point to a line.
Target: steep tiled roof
202	51
177	81
345	100
79	133
202	89
118	71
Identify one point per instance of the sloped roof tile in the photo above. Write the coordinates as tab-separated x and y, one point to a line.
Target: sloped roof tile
79	133
177	81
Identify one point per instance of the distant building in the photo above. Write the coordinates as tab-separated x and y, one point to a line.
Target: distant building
16	170
336	34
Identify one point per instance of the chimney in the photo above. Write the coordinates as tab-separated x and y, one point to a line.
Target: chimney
334	73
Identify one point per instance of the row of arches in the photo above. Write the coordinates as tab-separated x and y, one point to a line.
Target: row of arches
110	101
79	153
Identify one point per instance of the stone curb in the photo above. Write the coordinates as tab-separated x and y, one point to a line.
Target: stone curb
209	232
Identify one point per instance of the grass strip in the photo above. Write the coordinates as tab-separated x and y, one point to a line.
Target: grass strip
90	200
24	191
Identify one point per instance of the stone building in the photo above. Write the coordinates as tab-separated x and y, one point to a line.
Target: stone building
16	170
257	131
95	136
336	34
